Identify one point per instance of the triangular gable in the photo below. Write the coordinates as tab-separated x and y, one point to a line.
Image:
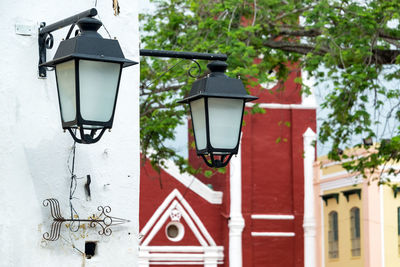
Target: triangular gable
194	184
175	200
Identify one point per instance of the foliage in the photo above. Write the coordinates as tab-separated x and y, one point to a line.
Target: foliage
354	44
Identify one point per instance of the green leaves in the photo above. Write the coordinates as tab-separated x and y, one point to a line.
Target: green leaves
199	26
349	45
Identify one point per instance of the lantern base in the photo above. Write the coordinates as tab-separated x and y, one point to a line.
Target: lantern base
220	162
88	137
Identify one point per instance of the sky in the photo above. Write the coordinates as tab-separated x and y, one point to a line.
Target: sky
145	6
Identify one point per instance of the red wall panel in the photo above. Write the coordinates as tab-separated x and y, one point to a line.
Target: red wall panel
272	183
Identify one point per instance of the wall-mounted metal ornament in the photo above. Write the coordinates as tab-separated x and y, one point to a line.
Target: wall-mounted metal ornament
175	215
104	220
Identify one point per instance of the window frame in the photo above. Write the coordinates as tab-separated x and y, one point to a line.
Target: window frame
333	235
355	232
398	230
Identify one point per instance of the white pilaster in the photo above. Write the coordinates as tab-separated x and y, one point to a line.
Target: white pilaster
381	200
309	215
236	223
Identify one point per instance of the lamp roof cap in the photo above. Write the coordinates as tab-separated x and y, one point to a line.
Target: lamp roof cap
217	84
217	66
89	45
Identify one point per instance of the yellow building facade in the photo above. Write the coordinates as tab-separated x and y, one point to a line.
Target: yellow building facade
357	221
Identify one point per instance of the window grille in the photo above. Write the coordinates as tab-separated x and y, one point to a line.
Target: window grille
398	229
355	232
333	235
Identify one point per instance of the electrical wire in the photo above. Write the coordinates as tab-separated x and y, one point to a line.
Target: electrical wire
104	26
186	190
73	245
162	74
72	188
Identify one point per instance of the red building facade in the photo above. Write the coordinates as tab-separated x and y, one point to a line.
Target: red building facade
251	216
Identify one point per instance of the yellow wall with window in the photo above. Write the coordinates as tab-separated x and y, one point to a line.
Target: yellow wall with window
345	258
391	204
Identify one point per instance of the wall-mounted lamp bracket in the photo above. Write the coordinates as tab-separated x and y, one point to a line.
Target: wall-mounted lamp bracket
193	56
89	57
45	38
182	55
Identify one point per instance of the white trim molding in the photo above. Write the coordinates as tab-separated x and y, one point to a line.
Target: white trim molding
207	254
282	106
180	231
180	255
175	205
307	101
333	163
309	224
334	184
272	217
194	184
236	222
335	174
275	234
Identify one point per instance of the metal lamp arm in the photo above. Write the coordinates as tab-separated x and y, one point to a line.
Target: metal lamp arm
182	55
45	35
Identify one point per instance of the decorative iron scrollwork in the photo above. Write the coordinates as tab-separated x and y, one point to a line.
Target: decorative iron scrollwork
197	68
104	220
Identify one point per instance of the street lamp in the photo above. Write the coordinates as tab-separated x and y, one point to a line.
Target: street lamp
216	106
88	71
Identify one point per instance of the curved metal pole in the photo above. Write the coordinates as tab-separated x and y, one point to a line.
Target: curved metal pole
45	31
183	55
68	21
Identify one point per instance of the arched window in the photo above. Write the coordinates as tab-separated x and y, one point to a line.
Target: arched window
355	232
333	235
398	229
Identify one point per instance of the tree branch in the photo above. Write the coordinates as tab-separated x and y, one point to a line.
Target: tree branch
293	30
386	56
301	32
293	12
380	56
295	47
296	30
392	42
386	35
150	110
160	90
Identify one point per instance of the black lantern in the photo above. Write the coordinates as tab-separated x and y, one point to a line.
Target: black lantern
216	106
88	71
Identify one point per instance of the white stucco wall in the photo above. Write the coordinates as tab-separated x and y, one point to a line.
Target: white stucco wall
34	150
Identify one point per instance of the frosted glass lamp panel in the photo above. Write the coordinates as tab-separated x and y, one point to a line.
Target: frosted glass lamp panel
66	89
98	83
225	117
199	123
